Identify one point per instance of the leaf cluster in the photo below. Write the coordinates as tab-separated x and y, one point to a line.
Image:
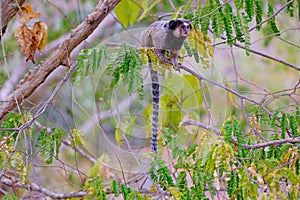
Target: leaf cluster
233	18
123	64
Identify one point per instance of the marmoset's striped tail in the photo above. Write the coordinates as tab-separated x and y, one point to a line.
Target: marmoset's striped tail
155	108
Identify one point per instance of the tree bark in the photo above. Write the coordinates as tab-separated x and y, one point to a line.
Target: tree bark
9	9
34	78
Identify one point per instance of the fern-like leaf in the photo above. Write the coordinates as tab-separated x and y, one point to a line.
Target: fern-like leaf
204	19
258	12
290	8
272	22
95	189
181	182
227	22
89	61
114	188
247	36
249	8
293	126
233	184
126	64
283	124
239	4
238	28
49	144
274	119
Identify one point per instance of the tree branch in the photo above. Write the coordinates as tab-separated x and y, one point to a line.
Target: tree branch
9	9
34	78
37	188
245	146
269	57
272	143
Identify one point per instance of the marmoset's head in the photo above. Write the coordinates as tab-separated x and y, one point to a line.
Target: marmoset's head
180	26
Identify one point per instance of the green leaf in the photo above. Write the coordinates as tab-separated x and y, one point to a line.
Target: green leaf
247	37
119	136
293	126
13	120
191	93
114	188
227	22
126	65
89	62
249	8
10	197
94	187
127	12
49	144
290	8
283	124
272	22
173	85
258	12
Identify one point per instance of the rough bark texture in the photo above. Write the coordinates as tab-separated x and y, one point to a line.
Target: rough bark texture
37	76
9	9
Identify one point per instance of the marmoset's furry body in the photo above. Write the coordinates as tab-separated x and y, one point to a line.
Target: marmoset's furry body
163	36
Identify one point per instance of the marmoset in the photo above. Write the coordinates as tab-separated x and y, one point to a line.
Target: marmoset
164	36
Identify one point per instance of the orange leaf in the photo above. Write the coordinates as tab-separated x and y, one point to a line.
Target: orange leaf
26	13
40	29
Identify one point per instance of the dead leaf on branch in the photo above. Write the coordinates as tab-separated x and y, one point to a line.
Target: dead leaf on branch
25	38
30	40
26	13
40	29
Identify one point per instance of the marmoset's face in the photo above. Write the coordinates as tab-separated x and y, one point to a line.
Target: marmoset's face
182	28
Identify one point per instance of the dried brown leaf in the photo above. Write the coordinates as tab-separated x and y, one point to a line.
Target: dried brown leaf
26	13
26	40
40	29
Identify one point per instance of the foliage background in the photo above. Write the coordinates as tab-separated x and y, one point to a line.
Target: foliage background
68	137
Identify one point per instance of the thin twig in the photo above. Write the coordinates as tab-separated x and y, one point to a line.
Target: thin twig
68	143
38	188
269	57
245	146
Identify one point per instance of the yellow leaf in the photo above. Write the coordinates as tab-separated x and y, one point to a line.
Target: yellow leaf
153	189
78	137
177	195
119	136
40	29
26	13
233	99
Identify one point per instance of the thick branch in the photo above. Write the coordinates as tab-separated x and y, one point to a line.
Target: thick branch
37	76
9	9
